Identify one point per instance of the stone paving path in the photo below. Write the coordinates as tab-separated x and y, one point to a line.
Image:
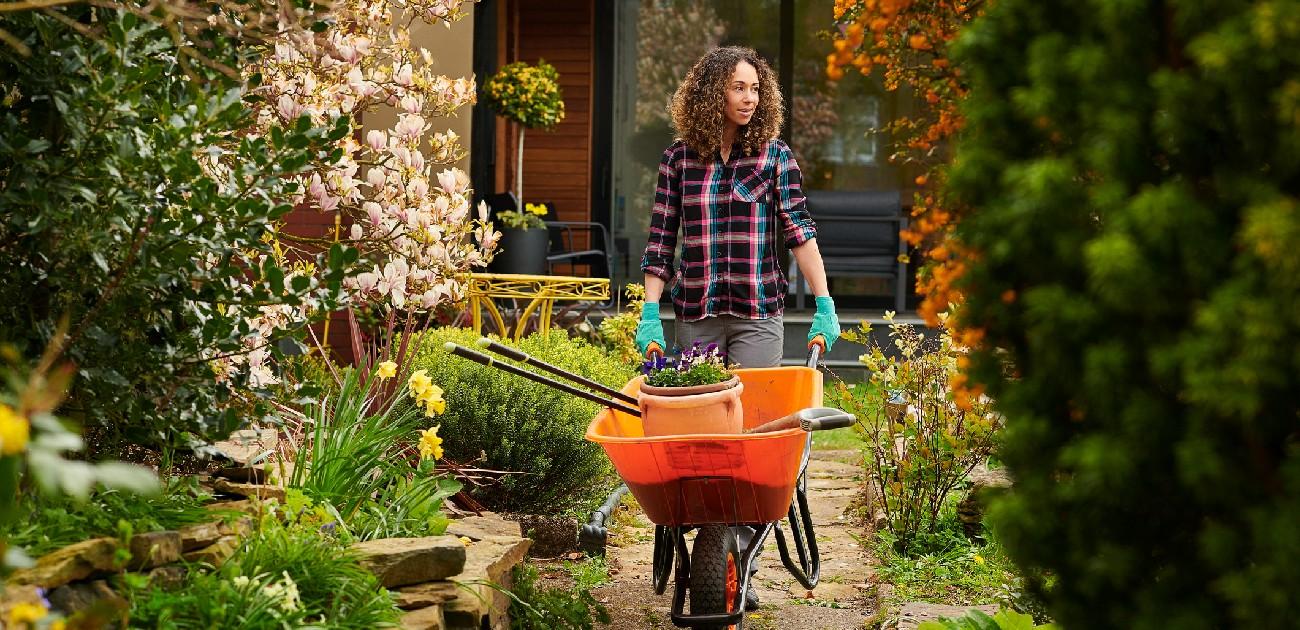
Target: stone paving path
840	601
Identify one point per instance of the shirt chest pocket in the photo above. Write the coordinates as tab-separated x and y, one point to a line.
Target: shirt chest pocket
751	186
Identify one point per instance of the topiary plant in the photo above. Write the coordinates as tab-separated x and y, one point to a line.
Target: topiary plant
1135	169
521	426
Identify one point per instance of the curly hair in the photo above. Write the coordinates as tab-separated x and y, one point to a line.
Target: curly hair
700	101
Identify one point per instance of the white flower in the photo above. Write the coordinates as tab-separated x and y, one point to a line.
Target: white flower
376	140
409	126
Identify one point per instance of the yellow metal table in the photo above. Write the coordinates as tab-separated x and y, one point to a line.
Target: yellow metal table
541	291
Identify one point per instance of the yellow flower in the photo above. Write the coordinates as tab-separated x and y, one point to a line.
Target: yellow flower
387	369
26	613
419	382
14	431
979	559
435	407
465	540
430	444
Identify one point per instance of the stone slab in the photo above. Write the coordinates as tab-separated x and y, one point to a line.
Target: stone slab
215	554
204	534
248	445
480	527
154	549
429	618
69	564
404	561
913	614
250	490
424	595
78	596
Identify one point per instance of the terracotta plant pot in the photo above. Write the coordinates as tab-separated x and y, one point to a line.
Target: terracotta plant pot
691	410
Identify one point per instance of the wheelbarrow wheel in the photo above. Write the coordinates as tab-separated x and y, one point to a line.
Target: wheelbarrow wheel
715	573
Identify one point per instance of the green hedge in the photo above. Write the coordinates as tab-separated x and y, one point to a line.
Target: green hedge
520	425
1134	173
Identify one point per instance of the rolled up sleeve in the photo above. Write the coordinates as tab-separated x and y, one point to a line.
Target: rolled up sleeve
797	226
665	218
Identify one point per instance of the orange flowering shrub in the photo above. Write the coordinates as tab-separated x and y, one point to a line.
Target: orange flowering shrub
908	41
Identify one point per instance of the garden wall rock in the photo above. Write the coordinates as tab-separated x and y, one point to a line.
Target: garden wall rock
217	553
69	564
72	598
913	614
404	561
154	549
429	618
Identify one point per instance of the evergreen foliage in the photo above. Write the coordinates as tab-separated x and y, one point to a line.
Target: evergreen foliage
113	216
1134	170
522	426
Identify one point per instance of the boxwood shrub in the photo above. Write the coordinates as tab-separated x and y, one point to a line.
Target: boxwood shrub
521	426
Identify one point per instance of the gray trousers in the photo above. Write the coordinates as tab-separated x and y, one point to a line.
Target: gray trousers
751	343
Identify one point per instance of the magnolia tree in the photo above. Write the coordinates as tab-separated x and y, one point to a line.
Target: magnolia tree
410	218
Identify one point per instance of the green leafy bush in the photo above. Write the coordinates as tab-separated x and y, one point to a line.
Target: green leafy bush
1135	173
283	577
522	426
536	608
43	523
924	437
978	620
113	215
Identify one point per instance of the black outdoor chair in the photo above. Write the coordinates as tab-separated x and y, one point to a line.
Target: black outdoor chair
858	236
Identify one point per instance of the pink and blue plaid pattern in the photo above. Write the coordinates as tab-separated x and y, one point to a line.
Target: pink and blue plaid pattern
728	216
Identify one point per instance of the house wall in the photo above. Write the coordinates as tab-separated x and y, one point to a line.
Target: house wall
557	163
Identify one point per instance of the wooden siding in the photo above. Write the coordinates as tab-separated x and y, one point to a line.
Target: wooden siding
557	163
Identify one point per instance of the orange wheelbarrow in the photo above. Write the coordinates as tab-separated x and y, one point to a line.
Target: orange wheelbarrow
708	483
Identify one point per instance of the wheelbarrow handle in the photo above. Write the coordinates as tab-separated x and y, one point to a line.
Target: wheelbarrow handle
816	348
824	418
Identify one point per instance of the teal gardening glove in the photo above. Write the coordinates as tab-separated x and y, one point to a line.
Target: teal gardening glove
825	322
650	330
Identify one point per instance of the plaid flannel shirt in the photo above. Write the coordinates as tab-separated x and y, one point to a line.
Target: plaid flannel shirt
729	215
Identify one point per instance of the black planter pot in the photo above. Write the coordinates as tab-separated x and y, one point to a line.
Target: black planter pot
522	252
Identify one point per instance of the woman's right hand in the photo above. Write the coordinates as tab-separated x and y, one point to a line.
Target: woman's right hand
650	332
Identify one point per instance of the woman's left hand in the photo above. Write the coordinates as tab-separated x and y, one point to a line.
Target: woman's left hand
825	322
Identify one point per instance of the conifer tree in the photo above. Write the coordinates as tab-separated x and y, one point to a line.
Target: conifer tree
1134	296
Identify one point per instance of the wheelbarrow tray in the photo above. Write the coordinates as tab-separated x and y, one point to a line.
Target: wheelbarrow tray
699	479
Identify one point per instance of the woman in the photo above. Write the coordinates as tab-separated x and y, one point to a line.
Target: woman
732	188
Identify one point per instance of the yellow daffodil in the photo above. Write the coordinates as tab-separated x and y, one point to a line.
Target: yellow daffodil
435	407
25	613
14	431
419	382
430	444
387	369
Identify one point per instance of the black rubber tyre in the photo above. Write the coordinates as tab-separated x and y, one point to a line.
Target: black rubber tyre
714	546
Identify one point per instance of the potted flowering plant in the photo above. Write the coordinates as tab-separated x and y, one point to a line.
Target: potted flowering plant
693	393
524	241
530	96
697	370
